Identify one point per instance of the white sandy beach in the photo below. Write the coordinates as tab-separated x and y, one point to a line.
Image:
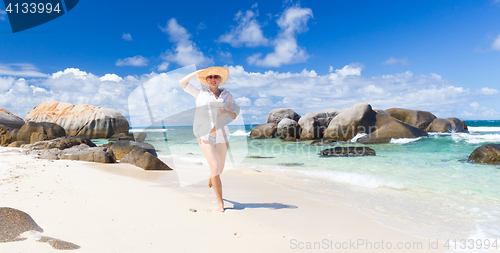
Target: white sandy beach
122	208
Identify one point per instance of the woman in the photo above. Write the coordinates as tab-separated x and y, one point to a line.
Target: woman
210	126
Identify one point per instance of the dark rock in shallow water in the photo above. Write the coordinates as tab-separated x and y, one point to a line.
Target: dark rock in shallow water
260	157
323	142
489	154
291	164
13	223
348	151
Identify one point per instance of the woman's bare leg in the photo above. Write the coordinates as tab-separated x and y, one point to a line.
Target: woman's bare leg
208	150
221	152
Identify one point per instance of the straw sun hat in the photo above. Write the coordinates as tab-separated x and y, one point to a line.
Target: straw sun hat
213	71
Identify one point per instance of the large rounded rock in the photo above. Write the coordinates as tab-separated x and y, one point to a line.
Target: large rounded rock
142	159
61	143
13	223
5	136
262	131
17	144
93	122
40	131
387	128
360	118
276	115
81	152
10	120
489	153
123	147
415	118
313	125
288	129
447	126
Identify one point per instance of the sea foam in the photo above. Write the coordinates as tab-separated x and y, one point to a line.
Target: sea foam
353	178
404	140
474	139
240	133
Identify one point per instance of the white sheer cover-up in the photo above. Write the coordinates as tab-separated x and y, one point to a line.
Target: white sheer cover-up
206	116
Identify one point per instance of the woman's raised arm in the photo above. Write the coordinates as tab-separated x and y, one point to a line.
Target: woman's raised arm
185	80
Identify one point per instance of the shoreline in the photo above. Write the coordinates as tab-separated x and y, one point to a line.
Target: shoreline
102	210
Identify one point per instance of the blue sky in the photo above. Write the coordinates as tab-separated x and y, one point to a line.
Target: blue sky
439	56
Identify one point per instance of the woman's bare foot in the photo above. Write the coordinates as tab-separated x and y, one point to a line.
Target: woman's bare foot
209	182
220	209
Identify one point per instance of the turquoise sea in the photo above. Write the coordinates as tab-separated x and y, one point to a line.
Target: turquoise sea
424	185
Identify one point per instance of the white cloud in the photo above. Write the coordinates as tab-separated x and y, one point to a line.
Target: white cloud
20	69
263	102
496	44
6	83
243	101
474	105
2	14
111	77
127	36
286	51
185	51
393	61
225	56
163	66
77	73
488	91
304	91
247	33
136	61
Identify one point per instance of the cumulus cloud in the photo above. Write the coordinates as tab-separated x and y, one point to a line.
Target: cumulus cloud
136	61
163	66
20	69
488	91
247	33
304	91
111	77
393	61
292	22
474	105
496	44
243	101
127	36
185	52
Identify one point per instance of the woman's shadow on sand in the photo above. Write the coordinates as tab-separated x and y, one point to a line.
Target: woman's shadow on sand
241	206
